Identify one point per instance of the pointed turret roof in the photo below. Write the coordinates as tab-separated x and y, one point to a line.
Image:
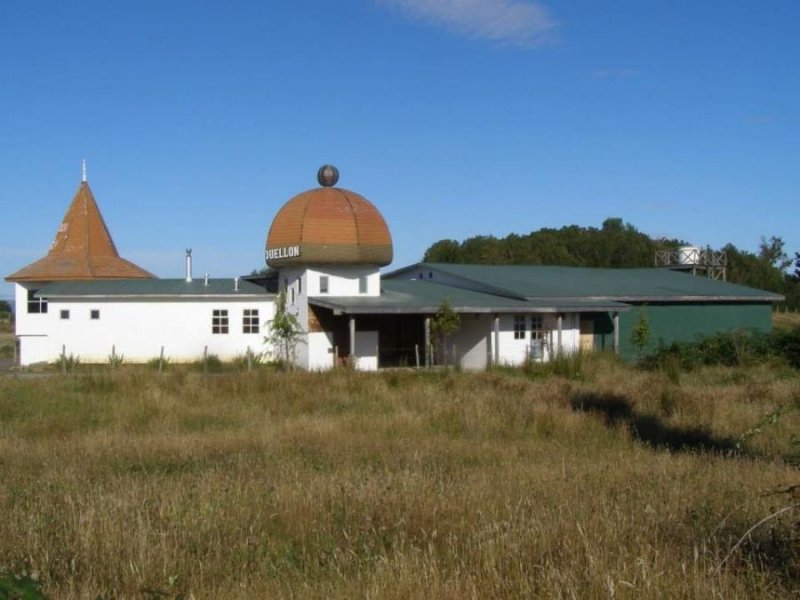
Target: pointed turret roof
82	248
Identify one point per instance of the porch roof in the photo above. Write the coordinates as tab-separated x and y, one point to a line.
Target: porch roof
424	297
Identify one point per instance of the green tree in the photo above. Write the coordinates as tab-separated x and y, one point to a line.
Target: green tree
796	275
771	252
444	324
443	251
284	332
640	334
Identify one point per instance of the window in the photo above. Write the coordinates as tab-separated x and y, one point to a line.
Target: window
219	321
36	305
94	314
250	320
292	295
537	328
519	327
323	284
300	285
362	284
64	315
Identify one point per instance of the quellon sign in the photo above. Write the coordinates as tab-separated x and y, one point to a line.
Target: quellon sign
283	252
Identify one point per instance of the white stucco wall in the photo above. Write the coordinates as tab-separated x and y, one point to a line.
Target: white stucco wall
31	328
472	341
366	350
137	329
343	281
320	351
314	351
515	351
294	282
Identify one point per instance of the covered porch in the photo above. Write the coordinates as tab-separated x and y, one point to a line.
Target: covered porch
394	329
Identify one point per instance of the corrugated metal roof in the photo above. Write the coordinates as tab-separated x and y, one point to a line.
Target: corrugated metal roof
624	285
417	296
82	248
166	288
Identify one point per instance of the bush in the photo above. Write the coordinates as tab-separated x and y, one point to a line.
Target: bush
787	344
67	362
158	362
249	359
732	349
210	364
22	587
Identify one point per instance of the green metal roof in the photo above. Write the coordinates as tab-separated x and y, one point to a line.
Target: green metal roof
624	285
152	288
400	296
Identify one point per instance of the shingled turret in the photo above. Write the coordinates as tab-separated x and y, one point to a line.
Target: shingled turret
82	248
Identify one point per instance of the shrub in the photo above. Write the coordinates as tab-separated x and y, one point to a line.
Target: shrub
731	349
158	362
210	363
67	362
249	359
115	360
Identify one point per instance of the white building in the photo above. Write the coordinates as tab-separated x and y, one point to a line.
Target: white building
325	248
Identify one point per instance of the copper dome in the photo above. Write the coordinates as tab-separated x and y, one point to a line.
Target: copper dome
328	226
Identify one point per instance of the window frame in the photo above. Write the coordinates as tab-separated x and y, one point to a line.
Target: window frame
537	327
220	322
520	323
251	321
39	305
324	284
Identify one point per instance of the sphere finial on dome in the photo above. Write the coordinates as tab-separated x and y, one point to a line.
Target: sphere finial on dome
327	175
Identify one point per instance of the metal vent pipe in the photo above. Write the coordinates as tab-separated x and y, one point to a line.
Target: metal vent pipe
188	265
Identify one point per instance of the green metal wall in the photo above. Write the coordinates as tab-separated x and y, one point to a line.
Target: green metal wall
681	322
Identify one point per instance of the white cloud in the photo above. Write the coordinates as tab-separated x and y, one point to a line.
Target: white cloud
517	22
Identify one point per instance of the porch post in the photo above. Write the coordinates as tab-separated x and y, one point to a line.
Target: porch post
427	341
497	339
352	324
616	332
559	325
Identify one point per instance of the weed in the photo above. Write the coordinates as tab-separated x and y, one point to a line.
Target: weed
67	362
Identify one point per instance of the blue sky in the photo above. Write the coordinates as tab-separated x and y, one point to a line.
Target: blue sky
198	120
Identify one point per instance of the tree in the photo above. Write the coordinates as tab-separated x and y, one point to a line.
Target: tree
5	308
771	252
284	331
797	267
443	251
640	334
444	324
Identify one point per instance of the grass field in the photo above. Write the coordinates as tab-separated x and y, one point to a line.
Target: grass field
399	485
786	320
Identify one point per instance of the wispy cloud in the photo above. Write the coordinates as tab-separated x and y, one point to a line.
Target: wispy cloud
517	22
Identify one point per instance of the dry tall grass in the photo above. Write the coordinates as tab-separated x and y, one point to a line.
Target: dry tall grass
786	320
396	485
